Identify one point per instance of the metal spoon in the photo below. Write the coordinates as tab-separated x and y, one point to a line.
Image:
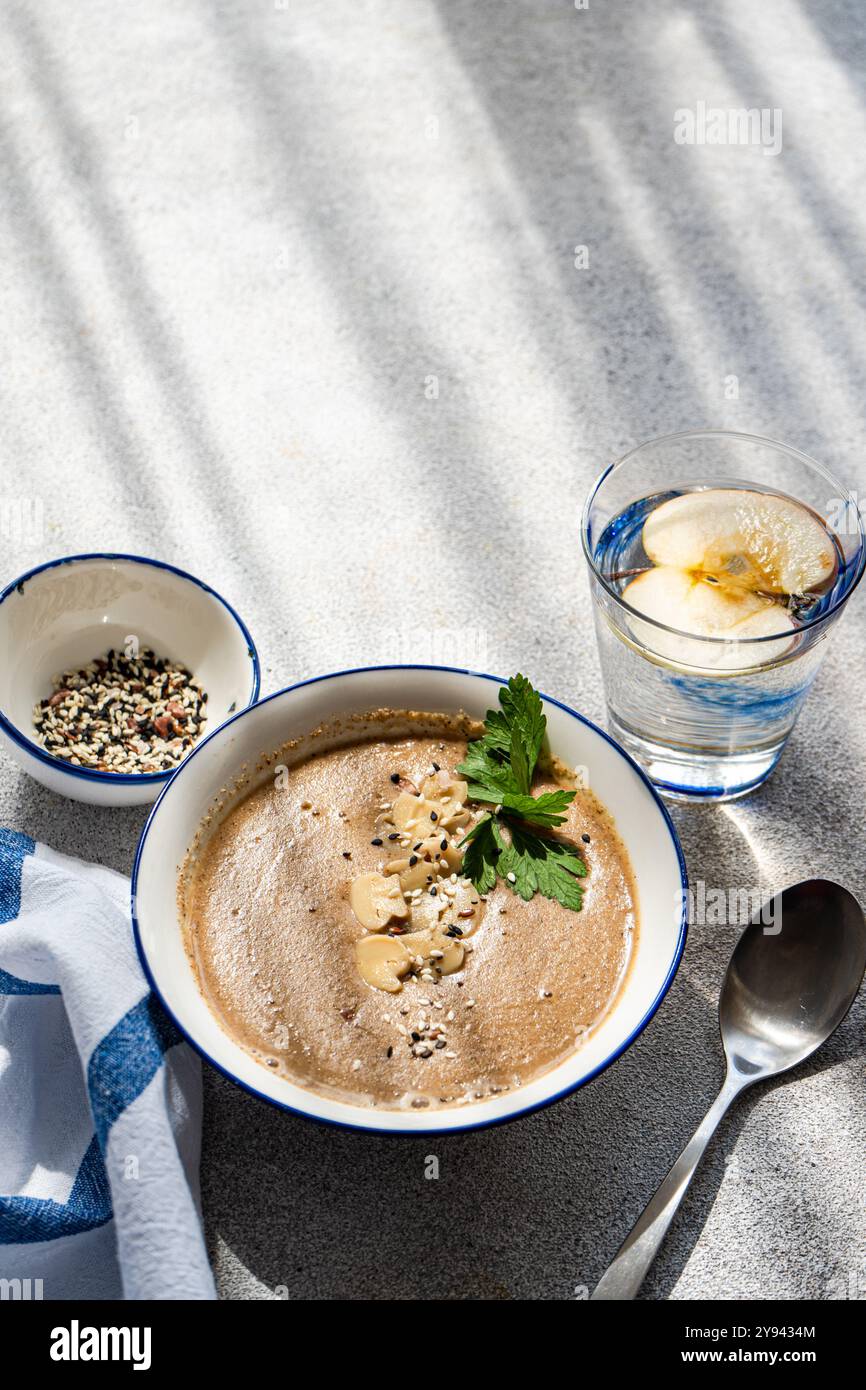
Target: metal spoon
791	980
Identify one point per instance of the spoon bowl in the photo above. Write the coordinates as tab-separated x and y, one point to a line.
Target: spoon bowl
792	978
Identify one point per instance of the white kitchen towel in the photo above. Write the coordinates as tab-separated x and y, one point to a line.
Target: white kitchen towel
100	1099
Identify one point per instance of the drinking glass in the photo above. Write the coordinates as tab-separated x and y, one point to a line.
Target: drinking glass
708	717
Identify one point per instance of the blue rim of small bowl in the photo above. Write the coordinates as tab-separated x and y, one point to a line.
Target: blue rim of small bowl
430	1129
94	774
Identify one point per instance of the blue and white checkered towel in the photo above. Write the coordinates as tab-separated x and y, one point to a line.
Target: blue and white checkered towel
100	1100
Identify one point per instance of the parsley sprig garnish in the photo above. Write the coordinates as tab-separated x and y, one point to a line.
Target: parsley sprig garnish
505	843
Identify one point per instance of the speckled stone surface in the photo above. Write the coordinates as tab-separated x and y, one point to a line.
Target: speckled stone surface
290	299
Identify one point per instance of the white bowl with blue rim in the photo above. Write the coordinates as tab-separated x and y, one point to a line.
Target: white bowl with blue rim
63	614
640	816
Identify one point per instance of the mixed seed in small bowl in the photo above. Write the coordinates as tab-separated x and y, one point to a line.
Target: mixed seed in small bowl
112	668
122	713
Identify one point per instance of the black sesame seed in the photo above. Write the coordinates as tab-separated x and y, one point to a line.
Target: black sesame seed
433	816
432	892
394	836
435	767
390	1052
377	841
395	778
585	838
413	860
347	854
443	844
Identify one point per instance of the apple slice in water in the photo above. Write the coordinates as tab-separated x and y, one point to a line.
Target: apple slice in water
695	604
753	541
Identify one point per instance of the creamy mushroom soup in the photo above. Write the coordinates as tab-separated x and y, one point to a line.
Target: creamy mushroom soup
336	937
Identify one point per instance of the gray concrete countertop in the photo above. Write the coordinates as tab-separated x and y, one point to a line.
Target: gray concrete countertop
290	300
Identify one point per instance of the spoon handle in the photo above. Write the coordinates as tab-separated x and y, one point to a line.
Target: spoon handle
625	1274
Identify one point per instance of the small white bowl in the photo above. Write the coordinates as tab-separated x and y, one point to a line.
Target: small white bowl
63	614
640	816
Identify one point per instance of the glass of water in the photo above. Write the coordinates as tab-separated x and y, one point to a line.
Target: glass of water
718	563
